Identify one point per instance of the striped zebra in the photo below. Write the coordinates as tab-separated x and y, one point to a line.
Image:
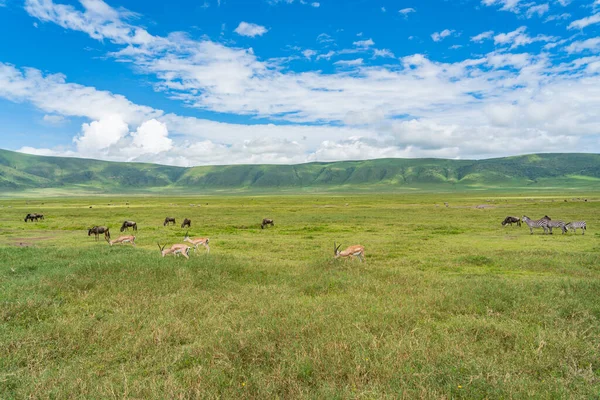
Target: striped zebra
540	223
577	224
556	224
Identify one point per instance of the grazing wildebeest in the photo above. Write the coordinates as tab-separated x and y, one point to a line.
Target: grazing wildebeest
169	220
97	230
265	222
128	224
186	222
352	251
511	220
33	217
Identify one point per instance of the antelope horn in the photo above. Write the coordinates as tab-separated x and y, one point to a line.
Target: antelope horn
161	248
186	233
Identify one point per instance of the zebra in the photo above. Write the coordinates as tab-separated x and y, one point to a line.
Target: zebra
556	224
540	223
577	224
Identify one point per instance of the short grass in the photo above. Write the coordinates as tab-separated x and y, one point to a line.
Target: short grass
448	305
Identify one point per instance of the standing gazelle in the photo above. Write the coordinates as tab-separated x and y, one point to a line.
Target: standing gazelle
176	249
197	242
352	251
122	239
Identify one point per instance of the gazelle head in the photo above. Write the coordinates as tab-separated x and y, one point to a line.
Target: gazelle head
187	237
336	249
107	240
162	249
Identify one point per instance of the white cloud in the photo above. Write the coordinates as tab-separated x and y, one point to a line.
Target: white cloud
53	119
439	36
250	30
349	63
558	17
518	38
482	36
99	135
480	106
406	11
315	4
506	5
539	9
364	43
308	53
582	23
383	53
592	44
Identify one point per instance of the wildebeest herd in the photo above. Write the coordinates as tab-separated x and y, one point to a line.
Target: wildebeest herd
546	223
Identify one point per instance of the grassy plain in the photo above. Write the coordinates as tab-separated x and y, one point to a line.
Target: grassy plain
448	305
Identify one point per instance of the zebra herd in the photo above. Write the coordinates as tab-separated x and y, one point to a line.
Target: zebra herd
546	223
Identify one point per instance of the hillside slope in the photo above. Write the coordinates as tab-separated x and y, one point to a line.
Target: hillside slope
21	171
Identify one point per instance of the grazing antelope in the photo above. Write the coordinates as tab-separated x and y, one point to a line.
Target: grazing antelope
511	220
122	239
176	249
128	224
168	220
97	230
197	242
265	222
186	222
33	217
352	251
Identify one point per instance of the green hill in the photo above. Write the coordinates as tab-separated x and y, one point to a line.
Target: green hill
19	172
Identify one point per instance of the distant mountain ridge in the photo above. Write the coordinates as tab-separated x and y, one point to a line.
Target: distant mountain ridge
23	171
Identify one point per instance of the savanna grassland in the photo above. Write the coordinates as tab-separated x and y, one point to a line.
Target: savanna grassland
449	304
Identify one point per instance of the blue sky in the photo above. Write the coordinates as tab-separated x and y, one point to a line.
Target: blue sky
291	81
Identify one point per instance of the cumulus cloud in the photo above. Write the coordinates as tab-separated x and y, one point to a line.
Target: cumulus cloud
486	105
99	135
538	10
439	36
250	30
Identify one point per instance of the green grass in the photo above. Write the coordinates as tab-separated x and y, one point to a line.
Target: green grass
449	304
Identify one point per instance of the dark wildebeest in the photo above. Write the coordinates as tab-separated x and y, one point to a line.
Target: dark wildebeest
128	224
97	230
186	222
511	220
265	222
168	220
33	217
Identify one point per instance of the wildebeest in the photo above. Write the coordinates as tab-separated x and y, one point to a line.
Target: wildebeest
97	230
169	220
511	220
128	224
186	222
33	217
265	222
352	251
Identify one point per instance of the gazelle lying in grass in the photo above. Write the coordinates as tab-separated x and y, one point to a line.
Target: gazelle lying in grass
122	239
176	249
197	242
352	251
